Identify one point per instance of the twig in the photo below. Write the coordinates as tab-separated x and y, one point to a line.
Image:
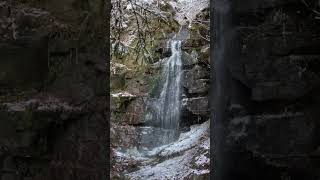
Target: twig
313	10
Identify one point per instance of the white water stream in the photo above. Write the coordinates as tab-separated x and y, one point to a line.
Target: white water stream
170	98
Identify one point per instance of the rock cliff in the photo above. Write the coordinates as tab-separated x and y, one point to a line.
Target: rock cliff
53	81
265	95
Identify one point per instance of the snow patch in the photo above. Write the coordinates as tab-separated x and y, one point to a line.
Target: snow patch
202	160
200	172
122	94
205	145
166	170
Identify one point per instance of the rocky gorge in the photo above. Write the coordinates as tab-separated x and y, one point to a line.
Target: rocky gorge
141	148
257	98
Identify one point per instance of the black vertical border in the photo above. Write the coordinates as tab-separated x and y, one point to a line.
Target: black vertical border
108	60
212	39
222	52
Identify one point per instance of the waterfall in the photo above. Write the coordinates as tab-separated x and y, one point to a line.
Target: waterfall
163	112
170	100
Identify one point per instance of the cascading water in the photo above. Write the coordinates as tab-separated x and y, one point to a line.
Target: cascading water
170	100
163	112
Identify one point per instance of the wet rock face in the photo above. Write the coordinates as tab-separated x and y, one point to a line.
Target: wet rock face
277	66
198	106
195	82
135	112
194	110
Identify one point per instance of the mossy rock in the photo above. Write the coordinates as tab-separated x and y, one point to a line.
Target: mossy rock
154	85
119	104
117	81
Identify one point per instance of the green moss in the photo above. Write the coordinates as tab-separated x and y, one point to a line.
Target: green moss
154	85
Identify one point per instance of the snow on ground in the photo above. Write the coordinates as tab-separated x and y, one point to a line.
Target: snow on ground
186	141
206	144
179	167
174	168
189	156
202	160
130	154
